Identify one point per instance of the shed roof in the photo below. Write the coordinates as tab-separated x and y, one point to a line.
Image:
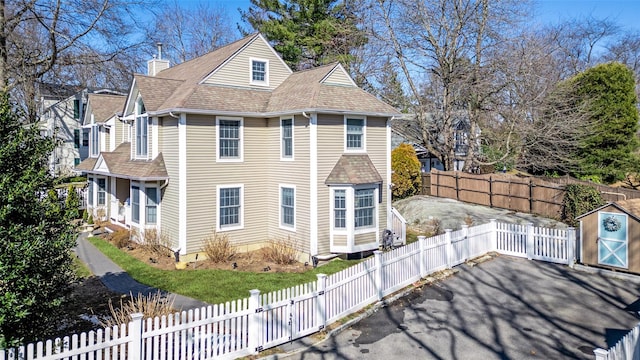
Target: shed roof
629	206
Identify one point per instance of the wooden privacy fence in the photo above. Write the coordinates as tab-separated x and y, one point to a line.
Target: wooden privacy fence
248	326
522	194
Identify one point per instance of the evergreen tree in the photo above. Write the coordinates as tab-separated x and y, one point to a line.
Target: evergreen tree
308	33
607	154
35	232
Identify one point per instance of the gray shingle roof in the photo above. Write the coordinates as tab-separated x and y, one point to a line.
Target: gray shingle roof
179	87
120	164
353	169
104	106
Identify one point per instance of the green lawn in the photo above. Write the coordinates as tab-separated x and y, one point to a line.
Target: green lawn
212	286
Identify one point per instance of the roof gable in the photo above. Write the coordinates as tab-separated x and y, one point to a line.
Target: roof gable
101	165
338	76
236	69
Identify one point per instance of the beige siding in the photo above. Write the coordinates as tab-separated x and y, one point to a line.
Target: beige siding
378	152
330	148
338	77
107	139
170	196
363	239
118	131
150	139
340	240
237	72
289	172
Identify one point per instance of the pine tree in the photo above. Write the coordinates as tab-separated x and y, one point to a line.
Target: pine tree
609	92
36	234
308	33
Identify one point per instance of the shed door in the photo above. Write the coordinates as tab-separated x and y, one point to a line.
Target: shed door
612	239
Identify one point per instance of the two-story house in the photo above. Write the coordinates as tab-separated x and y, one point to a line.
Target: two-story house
62	118
235	142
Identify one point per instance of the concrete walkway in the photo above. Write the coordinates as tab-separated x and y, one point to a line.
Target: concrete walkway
116	279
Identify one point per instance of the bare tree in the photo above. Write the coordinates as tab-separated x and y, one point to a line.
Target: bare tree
442	48
41	39
187	33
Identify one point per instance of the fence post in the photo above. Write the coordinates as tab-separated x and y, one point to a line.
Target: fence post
465	236
134	350
321	312
379	275
253	340
493	235
529	243
601	354
571	246
422	243
448	248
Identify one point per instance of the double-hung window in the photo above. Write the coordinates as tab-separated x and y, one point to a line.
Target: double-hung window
142	129
259	72
90	192
354	208
229	139
287	206
230	199
102	191
355	136
340	209
364	208
286	144
95	140
151	205
135	204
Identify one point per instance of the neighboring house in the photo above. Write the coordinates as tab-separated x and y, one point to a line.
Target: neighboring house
62	119
234	142
405	126
610	236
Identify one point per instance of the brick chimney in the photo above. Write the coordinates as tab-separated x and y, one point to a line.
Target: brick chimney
157	64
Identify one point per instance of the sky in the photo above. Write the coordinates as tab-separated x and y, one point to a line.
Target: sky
624	12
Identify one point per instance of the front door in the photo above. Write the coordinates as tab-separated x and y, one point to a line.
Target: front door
612	239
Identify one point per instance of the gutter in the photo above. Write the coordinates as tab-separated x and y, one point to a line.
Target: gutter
172	111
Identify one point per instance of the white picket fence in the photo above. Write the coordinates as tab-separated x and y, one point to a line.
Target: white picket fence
263	321
628	348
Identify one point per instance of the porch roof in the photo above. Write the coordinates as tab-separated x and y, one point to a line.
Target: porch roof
120	164
354	169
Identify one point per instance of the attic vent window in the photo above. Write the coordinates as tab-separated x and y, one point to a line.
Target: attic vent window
259	72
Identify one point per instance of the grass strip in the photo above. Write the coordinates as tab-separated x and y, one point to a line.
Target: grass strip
211	285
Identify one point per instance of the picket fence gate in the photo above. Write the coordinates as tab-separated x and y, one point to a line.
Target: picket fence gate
261	321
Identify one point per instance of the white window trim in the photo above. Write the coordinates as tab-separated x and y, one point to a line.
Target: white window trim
94	134
266	72
152	186
293	127
140	222
364	134
97	190
240	226
138	114
240	157
351	211
295	203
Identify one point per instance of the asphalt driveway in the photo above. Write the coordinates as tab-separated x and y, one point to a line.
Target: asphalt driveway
504	308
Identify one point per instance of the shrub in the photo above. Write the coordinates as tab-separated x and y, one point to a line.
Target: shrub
150	306
156	242
280	251
85	216
218	247
406	176
101	216
72	202
579	199
120	238
90	219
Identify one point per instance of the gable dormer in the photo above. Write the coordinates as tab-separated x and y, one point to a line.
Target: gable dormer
256	65
338	76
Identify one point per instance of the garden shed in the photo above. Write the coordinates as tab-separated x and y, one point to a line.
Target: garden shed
610	236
